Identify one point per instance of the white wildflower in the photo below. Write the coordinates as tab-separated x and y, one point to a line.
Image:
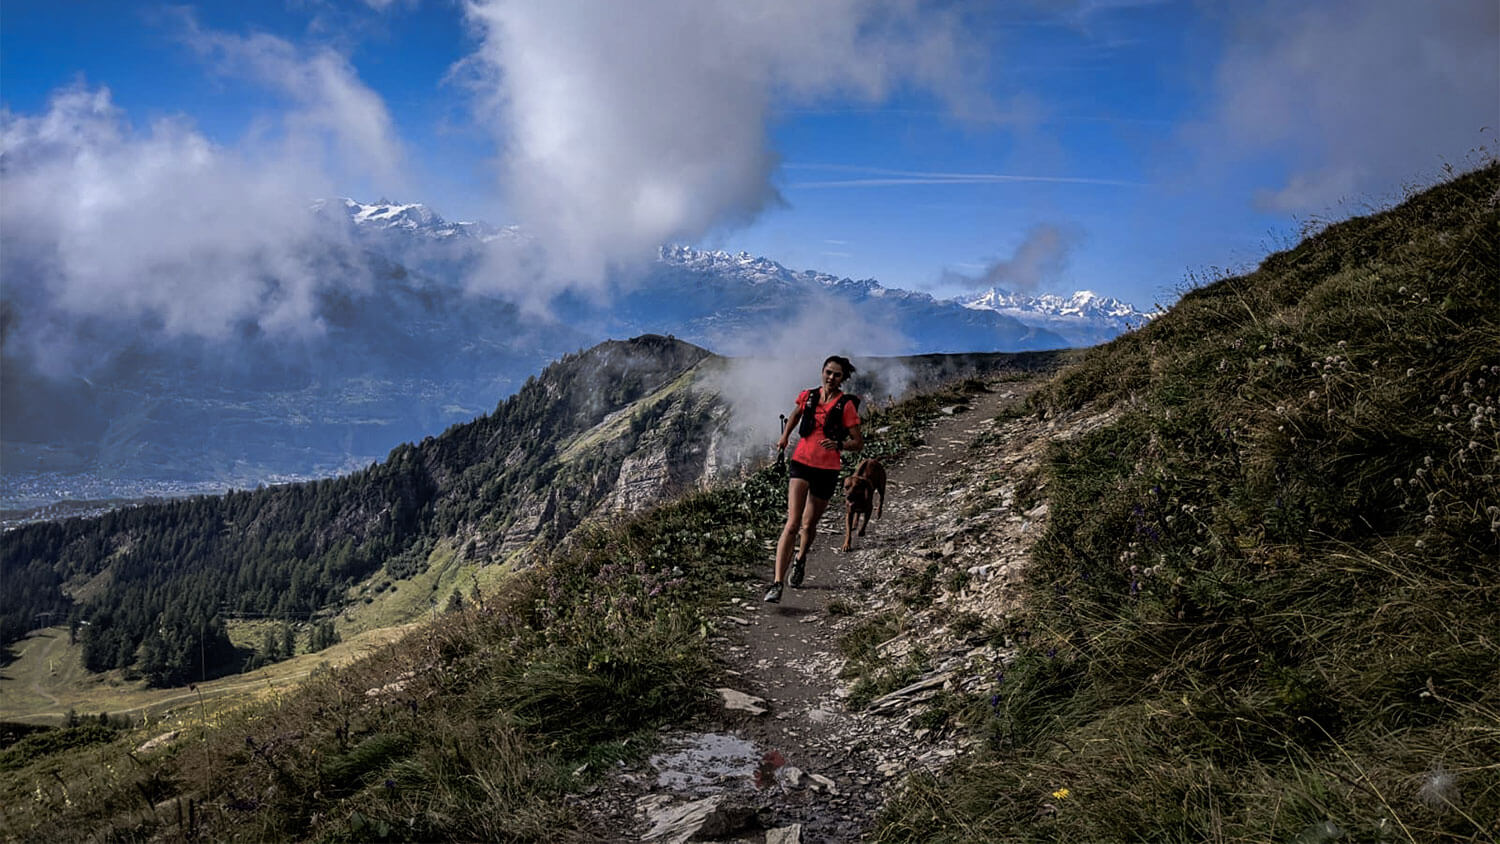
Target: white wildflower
1439	789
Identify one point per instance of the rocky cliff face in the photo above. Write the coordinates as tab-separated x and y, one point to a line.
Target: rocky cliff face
668	442
650	422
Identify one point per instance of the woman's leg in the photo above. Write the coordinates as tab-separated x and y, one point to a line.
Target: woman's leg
810	515
796	500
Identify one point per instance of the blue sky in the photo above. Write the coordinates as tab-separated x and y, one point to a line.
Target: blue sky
1047	146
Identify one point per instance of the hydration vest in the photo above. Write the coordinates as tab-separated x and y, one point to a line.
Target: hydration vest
833	423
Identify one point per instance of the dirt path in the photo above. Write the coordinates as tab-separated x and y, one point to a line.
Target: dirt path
811	769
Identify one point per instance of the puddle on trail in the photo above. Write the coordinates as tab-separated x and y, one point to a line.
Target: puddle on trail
698	759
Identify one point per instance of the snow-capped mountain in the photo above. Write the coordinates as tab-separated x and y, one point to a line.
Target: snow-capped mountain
405	349
413	219
747	268
1084	318
704	295
691	288
725	300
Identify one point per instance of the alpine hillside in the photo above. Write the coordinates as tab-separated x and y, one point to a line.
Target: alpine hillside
1233	577
404	348
147	590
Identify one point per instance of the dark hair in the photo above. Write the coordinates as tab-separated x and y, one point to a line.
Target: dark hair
843	363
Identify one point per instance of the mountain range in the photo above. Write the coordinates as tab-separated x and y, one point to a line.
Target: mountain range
407	349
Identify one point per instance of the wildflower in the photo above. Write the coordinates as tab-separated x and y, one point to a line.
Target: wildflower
1061	793
1439	789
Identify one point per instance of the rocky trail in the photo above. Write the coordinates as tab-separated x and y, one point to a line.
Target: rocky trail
787	760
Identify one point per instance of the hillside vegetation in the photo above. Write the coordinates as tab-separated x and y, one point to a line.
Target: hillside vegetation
158	592
476	727
149	588
1267	606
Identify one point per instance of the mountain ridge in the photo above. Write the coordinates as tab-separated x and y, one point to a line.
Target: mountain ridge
1258	601
610	429
404	348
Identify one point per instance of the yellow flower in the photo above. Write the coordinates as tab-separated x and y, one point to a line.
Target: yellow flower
1061	793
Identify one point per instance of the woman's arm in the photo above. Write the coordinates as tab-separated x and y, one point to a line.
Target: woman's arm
856	440
791	425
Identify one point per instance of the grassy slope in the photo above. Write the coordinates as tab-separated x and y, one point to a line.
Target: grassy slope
1268	603
48	679
473	728
1239	637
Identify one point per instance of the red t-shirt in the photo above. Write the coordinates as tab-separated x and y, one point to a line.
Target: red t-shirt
809	451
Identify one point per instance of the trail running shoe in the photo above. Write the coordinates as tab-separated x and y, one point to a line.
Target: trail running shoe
799	570
773	595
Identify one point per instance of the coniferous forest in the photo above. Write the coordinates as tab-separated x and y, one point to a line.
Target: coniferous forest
150	587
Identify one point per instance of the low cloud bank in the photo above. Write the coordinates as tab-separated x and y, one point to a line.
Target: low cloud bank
628	125
126	233
767	369
1038	262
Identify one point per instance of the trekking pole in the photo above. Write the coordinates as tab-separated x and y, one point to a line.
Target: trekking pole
781	452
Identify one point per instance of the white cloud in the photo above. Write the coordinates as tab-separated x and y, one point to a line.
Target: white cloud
627	125
160	231
1037	262
102	221
879	177
770	365
1364	96
336	118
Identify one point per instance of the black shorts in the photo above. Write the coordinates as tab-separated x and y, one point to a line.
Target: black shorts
821	482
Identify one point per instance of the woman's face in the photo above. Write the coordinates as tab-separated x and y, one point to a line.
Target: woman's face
833	375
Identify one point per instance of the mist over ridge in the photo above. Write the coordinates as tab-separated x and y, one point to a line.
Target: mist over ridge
400	342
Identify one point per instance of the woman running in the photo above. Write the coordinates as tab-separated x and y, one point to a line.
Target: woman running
814	466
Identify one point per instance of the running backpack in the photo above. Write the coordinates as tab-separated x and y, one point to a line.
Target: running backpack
833	423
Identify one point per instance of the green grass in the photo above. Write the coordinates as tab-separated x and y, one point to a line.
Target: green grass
474	727
1267	603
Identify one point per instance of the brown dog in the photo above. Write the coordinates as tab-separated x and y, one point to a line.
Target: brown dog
859	494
